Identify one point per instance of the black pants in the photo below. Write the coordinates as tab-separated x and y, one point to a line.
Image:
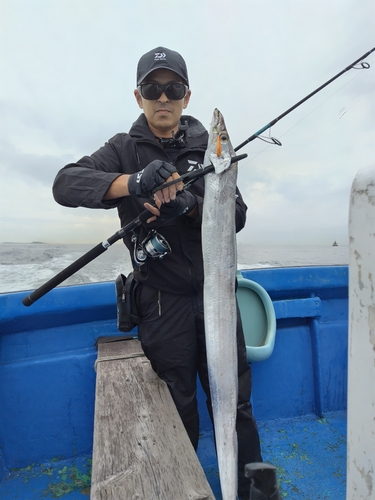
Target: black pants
171	331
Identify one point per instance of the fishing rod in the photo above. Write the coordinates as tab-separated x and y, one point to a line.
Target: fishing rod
188	178
256	135
273	140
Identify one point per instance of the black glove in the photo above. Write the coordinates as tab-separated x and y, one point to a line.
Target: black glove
141	184
182	204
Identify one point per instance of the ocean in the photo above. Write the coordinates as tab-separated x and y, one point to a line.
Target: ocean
26	266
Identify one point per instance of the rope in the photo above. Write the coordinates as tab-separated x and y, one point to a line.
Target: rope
122	356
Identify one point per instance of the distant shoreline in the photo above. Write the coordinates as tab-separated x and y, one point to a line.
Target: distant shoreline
23	243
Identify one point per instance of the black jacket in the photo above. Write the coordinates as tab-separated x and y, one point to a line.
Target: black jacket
85	183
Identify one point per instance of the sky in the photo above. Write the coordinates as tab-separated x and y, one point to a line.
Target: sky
67	78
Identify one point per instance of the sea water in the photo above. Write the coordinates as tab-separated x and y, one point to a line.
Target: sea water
27	266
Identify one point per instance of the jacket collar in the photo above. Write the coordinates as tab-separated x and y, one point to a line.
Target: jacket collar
141	130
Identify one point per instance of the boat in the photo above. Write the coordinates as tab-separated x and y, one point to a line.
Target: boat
299	369
48	352
334	244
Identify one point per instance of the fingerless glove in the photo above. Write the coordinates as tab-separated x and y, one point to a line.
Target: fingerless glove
141	184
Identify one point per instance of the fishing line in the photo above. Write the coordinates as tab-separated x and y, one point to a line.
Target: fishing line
272	141
317	107
355	102
367	65
336	121
363	65
255	156
310	138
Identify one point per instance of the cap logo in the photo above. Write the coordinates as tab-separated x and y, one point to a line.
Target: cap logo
160	56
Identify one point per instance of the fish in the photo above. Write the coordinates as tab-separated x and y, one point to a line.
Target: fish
219	301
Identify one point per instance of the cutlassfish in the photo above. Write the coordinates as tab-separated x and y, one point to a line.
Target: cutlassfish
220	265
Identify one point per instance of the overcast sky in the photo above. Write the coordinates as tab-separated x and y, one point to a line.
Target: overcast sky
67	79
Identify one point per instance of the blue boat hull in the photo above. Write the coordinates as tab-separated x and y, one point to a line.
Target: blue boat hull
47	356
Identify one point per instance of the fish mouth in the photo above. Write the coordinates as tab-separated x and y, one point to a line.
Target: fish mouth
218	129
218	124
218	151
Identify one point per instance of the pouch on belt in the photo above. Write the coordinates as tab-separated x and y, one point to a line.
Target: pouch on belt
127	316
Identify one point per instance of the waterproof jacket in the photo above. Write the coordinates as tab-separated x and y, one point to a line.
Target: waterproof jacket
84	184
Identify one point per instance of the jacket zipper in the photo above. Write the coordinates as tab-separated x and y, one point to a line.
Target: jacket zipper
159	302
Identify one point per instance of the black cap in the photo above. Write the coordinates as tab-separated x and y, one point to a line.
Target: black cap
158	58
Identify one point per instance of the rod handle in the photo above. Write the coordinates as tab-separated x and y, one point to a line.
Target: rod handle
64	274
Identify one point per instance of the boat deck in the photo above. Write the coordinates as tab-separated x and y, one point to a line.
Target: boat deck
300	448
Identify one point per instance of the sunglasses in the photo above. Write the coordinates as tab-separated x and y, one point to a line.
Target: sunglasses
173	91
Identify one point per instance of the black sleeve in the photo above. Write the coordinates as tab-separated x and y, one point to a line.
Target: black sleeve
84	184
241	209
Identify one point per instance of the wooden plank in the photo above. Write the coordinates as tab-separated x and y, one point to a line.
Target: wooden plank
141	448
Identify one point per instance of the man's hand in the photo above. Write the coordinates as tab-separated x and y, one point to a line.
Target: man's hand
183	204
141	184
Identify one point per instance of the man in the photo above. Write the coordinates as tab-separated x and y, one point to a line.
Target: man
162	145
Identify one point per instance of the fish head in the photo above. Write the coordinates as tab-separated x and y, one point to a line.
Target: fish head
219	147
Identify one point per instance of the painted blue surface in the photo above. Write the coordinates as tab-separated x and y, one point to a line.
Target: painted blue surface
47	355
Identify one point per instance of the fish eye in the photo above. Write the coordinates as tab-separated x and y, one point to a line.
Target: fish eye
223	137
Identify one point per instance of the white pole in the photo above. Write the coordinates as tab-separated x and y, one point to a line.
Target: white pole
361	355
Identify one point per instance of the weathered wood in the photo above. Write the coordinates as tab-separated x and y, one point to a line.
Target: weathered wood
141	448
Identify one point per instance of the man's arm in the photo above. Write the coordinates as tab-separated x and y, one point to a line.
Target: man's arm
85	183
77	185
118	188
